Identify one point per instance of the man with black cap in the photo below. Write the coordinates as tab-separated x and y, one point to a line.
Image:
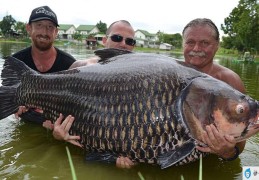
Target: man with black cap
42	56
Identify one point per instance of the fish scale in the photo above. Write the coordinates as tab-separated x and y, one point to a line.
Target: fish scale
139	105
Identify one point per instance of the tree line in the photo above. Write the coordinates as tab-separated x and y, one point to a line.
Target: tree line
241	29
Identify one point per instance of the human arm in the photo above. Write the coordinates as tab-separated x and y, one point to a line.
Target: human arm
60	129
33	115
87	62
61	132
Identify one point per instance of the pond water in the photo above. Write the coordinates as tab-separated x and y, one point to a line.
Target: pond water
28	151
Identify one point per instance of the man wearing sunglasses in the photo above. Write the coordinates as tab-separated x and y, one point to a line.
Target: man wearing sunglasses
120	35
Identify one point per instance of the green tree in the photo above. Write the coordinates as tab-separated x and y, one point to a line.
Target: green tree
160	36
173	39
20	27
78	36
102	27
242	27
7	25
177	40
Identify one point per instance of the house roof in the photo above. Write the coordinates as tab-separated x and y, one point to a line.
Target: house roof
146	33
65	26
85	27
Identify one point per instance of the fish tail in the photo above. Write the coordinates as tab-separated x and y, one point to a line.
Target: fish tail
13	70
8	103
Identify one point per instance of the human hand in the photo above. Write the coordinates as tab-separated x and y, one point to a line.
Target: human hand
48	124
124	162
61	130
222	145
33	115
22	109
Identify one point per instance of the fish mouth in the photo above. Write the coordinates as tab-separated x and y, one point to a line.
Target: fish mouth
251	129
254	125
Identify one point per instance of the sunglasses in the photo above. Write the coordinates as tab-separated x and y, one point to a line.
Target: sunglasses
119	38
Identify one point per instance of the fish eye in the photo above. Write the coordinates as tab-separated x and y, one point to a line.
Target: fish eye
239	109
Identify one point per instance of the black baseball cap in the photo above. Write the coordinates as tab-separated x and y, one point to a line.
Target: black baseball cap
43	13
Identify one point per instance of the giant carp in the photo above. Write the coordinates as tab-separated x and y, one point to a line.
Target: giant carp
148	107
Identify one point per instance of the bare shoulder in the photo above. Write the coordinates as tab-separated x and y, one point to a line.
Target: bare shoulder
230	77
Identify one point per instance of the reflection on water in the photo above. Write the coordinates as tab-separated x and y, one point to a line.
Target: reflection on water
28	151
248	71
6	49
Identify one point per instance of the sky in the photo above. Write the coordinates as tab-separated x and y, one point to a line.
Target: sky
167	16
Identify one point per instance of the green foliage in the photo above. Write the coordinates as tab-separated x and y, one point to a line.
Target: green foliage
102	27
77	36
227	52
141	176
173	39
72	167
242	27
6	25
200	168
20	27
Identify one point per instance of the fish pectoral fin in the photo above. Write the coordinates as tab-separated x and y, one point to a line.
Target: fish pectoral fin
170	158
101	157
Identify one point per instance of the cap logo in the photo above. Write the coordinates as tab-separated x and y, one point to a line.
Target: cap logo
41	13
46	12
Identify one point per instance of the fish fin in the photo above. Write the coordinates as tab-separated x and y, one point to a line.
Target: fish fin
8	103
172	157
101	157
13	70
107	53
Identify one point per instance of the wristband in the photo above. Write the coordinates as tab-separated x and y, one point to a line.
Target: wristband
235	156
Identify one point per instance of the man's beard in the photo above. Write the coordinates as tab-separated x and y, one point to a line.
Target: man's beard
42	46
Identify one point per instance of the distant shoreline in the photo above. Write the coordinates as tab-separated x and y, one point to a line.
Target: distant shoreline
221	52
